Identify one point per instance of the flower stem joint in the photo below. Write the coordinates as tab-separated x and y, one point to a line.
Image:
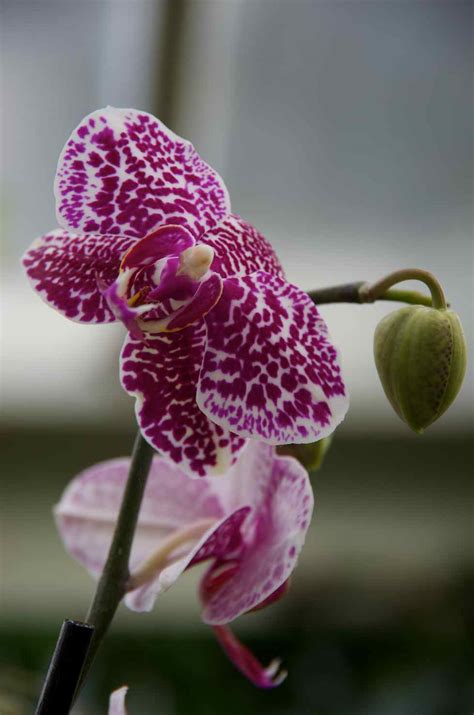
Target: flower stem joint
420	355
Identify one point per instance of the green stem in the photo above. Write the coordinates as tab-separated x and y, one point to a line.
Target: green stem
375	291
411	297
112	584
362	292
351	293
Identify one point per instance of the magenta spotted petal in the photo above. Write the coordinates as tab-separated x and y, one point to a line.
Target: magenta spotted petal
123	172
66	271
249	525
239	249
162	373
269	369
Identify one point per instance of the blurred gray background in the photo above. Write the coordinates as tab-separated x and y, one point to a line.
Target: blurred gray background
343	130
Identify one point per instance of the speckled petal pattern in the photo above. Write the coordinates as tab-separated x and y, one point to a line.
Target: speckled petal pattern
68	272
240	249
162	373
124	172
270	371
277	532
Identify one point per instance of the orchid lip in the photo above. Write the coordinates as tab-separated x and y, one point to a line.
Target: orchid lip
216	578
207	295
135	298
191	534
169	239
178	276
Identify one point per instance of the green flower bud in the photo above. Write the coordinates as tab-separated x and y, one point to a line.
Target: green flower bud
310	456
420	354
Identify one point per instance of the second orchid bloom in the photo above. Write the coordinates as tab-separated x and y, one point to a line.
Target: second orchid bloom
250	525
220	346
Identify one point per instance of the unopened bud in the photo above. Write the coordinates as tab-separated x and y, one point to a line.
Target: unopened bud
420	354
310	456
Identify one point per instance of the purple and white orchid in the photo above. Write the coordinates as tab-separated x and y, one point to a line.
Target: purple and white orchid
220	346
250	524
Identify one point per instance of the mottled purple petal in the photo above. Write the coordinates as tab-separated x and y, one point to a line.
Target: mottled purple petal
162	373
117	701
239	249
69	271
164	241
124	172
270	371
274	536
245	661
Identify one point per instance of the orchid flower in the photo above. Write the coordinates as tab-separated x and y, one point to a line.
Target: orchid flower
250	524
220	347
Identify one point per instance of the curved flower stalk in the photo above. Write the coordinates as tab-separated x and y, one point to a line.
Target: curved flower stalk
250	525
220	347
